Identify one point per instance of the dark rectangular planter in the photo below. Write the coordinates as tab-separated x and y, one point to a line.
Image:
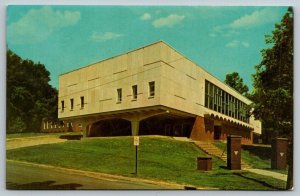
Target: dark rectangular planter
204	163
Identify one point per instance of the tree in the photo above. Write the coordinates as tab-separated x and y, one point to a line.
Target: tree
30	98
273	85
236	82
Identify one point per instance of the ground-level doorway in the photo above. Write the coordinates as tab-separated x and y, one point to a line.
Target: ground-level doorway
217	132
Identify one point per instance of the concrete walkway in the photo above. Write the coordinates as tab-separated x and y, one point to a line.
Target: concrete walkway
183	139
276	175
14	143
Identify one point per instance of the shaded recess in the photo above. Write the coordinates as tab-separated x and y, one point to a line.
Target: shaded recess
157	125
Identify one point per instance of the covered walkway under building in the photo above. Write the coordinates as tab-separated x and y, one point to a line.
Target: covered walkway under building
160	120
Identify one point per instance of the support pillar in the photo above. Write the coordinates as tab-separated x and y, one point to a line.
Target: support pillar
85	129
234	152
135	124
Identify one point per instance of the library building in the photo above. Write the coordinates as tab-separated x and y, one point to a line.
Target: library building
153	90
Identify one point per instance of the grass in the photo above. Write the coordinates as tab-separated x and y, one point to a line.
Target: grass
159	158
250	159
253	160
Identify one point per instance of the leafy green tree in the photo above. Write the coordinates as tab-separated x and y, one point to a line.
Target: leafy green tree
30	98
236	82
273	85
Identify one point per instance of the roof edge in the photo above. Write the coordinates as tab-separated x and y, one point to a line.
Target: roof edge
156	42
144	46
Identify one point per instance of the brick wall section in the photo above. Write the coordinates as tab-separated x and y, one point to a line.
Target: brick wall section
234	152
247	134
203	129
279	153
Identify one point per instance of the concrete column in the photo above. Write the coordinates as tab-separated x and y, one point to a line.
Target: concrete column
135	127
84	127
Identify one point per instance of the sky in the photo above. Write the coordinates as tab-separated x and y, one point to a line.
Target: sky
222	40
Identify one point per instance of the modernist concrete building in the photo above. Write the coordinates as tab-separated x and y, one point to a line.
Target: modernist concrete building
153	90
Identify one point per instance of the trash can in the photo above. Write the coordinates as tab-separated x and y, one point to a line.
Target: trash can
204	163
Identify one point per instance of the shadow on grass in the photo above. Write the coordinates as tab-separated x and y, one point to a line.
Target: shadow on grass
46	185
71	137
258	181
223	167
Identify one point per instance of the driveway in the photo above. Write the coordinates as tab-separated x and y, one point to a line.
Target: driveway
27	176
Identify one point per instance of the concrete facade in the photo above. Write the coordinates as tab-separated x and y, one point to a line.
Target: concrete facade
154	81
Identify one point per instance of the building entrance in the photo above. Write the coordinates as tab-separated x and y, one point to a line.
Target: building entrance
217	132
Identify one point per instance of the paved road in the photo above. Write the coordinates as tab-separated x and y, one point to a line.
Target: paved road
25	176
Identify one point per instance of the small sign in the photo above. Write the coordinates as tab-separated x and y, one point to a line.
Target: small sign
236	152
136	140
281	154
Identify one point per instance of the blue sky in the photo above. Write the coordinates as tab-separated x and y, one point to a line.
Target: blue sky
63	38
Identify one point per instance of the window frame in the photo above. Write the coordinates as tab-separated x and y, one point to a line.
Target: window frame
119	95
134	92
82	102
62	105
72	104
150	90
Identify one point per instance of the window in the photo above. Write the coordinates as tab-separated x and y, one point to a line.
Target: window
134	92
82	102
221	101
72	103
119	94
62	105
215	97
206	94
151	89
211	93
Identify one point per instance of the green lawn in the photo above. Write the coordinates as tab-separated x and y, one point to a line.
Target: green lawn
250	159
159	158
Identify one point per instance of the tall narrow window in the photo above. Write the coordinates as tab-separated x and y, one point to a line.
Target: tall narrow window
211	96
62	105
72	103
119	94
134	92
206	94
82	102
151	89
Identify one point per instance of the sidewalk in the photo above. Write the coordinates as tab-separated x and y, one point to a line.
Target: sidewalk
14	143
276	175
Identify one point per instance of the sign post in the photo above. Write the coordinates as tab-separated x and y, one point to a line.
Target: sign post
136	142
